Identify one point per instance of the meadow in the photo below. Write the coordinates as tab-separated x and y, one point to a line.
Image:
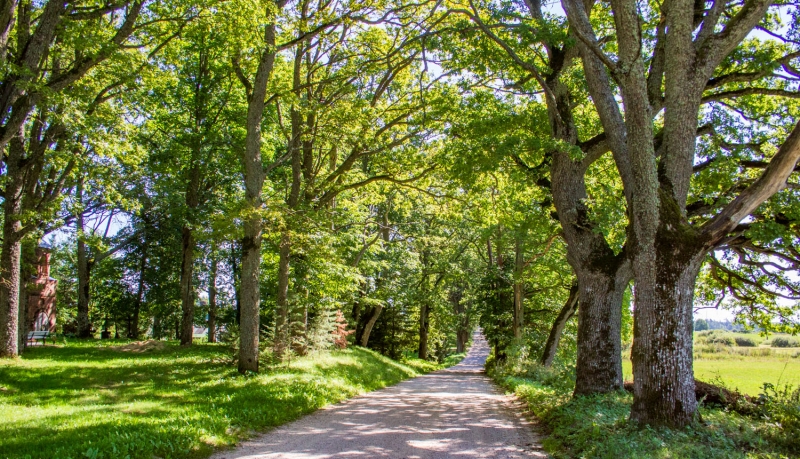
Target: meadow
720	360
597	426
114	400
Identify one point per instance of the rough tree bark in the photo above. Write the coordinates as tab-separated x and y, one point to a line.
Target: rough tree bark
585	246
599	365
18	99
188	245
283	320
666	250
11	249
424	311
602	278
10	266
254	181
554	337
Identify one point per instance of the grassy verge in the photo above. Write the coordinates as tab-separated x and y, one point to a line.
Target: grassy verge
597	427
83	401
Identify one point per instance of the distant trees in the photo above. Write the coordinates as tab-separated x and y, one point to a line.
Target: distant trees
670	85
420	167
45	119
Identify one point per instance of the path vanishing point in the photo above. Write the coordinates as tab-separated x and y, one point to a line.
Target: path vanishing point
456	413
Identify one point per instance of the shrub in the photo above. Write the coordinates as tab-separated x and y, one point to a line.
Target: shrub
320	331
783	341
781	405
722	340
230	337
340	331
745	341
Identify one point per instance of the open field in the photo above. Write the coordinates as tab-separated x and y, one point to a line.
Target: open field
743	368
165	401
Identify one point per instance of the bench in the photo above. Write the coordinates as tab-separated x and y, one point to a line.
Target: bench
39	336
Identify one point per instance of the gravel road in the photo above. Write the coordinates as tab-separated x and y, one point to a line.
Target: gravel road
455	412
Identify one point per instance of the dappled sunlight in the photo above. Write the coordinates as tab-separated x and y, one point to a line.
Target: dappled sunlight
454	412
171	402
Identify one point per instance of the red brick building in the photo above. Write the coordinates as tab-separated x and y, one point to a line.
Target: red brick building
41	310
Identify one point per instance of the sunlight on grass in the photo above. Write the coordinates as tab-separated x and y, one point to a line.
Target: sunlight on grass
79	401
745	369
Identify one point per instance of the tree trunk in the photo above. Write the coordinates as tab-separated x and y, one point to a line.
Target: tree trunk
84	268
566	313
385	234
299	312
602	278
462	336
192	201
133	332
249	324
212	300
456	297
187	292
376	312
663	376
356	315
236	278
599	365
424	312
11	252
84	273
157	328
23	318
519	265
282	297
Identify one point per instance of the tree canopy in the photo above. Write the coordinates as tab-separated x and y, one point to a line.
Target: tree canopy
269	169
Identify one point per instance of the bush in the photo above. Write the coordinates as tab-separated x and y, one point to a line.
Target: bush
782	405
745	341
783	341
722	340
230	337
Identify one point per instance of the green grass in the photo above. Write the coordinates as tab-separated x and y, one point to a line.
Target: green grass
598	427
96	401
745	369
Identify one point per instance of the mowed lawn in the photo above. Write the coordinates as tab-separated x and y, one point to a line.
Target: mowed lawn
81	401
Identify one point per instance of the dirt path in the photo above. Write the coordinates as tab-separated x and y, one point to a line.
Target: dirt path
455	412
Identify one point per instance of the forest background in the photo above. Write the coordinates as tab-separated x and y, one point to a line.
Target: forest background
271	170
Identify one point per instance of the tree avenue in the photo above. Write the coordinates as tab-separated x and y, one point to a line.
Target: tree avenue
291	175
